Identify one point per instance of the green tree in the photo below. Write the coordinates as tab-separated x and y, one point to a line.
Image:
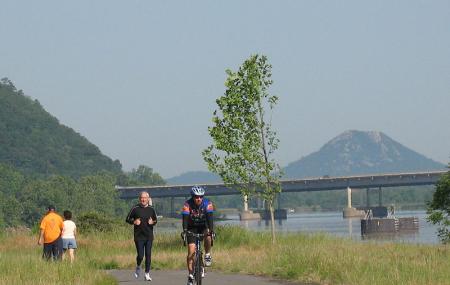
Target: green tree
98	194
439	208
144	175
243	140
11	183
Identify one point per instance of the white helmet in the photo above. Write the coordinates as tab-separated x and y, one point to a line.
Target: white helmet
197	191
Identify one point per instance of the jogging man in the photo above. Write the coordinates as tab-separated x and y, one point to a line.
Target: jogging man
50	234
197	218
143	217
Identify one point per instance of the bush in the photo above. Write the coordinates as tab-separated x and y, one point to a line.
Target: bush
95	222
439	208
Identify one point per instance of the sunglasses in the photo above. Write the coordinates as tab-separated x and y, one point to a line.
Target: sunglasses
198	197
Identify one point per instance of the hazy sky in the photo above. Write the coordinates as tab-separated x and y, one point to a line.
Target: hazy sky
140	78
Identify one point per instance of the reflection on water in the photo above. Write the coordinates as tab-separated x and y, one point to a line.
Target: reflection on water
333	223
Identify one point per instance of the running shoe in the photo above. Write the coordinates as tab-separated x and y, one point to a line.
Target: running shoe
208	260
147	276
137	272
190	279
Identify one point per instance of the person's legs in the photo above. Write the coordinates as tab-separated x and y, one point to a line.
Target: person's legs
207	242
140	255
47	251
148	259
58	249
72	245
72	254
65	247
148	254
190	261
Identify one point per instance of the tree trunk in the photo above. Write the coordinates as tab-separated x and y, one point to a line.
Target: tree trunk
272	221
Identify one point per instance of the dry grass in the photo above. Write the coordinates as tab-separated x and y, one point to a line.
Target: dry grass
303	258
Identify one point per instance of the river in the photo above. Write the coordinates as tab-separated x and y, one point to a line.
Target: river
332	223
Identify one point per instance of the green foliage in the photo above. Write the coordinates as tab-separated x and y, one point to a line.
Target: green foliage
95	222
142	176
243	141
43	162
27	204
439	208
35	143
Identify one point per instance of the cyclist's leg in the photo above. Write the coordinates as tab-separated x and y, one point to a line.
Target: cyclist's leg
207	241
190	257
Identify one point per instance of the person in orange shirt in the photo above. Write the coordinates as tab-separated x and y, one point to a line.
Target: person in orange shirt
50	234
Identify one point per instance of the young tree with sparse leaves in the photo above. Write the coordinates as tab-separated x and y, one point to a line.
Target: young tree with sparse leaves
439	208
243	140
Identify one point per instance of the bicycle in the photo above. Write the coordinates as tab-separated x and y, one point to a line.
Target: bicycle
199	268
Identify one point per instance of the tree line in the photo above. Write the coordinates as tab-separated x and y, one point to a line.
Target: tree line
23	199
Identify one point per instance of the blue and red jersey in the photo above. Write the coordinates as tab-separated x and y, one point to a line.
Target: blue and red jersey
198	216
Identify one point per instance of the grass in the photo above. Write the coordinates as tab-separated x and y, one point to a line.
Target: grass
304	258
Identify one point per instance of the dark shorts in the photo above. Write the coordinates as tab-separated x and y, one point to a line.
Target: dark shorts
197	230
53	250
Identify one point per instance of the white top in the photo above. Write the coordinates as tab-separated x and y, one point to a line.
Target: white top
69	229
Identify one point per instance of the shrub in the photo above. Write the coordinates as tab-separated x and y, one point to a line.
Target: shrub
95	222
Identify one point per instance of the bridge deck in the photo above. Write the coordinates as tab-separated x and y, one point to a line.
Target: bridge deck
297	185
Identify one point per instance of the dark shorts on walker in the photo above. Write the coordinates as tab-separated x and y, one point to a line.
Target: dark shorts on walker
69	243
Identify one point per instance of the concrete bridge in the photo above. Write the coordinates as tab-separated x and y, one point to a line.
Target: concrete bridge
299	185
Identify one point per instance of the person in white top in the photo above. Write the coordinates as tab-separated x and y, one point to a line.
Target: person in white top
68	235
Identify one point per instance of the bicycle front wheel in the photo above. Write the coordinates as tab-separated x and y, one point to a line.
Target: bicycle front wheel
198	270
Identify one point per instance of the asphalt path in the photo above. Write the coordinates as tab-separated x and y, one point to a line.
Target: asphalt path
178	277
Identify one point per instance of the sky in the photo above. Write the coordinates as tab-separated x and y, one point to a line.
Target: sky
139	79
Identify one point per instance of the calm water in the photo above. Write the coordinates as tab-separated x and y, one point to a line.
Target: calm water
333	223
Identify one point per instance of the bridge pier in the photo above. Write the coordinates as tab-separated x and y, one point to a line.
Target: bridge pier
367	198
246	214
380	200
172	207
351	212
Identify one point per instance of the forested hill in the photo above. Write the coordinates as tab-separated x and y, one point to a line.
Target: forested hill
35	143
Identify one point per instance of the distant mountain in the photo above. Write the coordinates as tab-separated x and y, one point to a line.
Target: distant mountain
35	143
358	152
194	177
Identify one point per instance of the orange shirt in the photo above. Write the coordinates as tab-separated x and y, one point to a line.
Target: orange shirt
52	225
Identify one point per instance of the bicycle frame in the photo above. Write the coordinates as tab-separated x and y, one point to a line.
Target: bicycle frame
198	257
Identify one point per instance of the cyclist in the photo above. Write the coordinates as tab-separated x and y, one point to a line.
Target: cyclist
197	218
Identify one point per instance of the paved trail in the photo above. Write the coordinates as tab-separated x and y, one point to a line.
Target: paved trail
177	277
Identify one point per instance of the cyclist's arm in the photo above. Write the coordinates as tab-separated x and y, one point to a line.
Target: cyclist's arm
185	215
185	222
209	216
210	221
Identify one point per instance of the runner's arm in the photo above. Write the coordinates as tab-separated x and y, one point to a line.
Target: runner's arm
130	217
154	217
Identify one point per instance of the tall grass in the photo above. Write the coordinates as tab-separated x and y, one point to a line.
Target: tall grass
298	257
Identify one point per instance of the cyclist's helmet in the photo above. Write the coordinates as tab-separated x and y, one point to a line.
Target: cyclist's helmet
197	191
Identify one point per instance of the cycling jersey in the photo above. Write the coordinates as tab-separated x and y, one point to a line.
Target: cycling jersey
197	216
